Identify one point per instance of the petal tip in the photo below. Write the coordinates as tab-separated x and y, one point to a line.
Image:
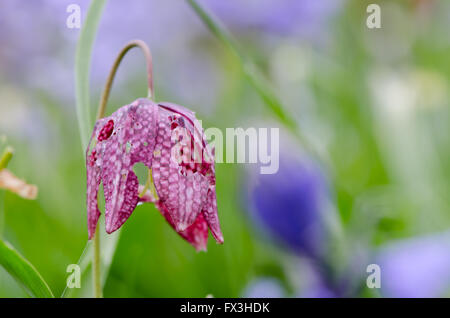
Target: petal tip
181	226
219	240
201	249
217	234
109	228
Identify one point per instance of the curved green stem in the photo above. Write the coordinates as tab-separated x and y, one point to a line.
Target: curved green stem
96	266
147	183
112	73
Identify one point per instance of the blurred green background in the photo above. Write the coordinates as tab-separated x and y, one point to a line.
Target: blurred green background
371	105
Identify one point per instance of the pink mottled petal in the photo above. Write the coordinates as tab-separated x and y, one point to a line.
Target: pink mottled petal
93	173
211	217
132	140
196	234
116	170
93	182
142	133
182	195
192	124
125	205
174	108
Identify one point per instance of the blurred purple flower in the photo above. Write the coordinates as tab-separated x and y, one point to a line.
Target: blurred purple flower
264	288
37	48
306	18
417	267
290	205
320	291
312	281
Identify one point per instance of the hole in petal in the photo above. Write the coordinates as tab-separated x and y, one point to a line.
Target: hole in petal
101	198
141	172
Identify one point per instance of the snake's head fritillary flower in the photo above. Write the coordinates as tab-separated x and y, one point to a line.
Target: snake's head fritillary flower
169	140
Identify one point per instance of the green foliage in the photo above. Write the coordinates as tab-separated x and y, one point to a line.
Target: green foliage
23	271
262	87
82	69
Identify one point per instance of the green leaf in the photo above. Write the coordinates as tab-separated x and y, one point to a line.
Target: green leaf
108	250
23	271
2	211
82	67
260	84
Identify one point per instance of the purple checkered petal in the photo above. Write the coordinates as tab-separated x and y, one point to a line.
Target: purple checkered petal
181	186
93	174
123	139
196	234
210	214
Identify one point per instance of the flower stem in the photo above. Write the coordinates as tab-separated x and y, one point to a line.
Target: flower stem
96	265
6	157
147	183
100	114
112	73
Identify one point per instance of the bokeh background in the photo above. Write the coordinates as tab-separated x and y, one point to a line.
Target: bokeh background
367	182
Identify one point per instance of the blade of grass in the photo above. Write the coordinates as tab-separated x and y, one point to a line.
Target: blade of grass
23	271
249	69
82	67
2	211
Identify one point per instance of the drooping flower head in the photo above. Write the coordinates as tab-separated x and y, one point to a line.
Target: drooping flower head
169	140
